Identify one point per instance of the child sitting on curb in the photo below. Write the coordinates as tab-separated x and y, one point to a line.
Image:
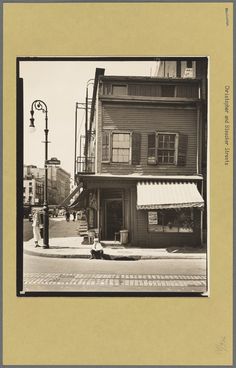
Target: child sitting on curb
97	250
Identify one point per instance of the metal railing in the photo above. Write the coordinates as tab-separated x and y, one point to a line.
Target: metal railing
85	165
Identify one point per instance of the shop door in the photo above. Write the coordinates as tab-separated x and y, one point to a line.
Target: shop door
113	217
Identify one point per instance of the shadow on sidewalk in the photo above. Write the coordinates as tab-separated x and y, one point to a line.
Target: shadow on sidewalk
109	257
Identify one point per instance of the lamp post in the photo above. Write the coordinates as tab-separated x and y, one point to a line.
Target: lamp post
75	160
40	105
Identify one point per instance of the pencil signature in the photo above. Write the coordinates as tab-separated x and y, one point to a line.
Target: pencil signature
221	345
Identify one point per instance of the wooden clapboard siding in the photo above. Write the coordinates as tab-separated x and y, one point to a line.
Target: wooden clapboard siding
145	90
146	119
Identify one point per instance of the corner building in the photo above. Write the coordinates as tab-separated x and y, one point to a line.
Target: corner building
144	160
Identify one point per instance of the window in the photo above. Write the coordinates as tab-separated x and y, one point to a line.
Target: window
166	148
178	220
119	89
30	183
30	190
121	147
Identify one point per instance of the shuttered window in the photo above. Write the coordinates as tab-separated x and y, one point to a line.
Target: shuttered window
121	147
166	148
105	146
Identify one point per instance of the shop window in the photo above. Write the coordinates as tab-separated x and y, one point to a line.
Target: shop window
121	147
178	220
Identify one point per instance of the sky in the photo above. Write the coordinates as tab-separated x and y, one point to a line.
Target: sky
60	84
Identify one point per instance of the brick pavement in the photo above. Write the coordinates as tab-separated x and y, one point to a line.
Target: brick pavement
153	282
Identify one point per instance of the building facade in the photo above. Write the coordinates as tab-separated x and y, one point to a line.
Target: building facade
58	184
33	192
147	140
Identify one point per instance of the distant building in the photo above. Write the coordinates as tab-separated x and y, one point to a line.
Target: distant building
58	183
33	192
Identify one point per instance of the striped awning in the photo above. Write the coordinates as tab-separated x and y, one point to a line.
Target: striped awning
79	202
66	201
157	195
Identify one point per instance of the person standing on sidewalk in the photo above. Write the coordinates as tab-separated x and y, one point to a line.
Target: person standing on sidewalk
67	216
74	215
36	229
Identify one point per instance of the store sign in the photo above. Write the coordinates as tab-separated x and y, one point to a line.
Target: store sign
53	161
188	73
152	218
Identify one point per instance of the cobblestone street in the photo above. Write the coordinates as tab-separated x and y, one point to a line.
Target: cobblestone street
113	282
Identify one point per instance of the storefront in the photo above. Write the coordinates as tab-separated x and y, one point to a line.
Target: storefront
171	212
155	213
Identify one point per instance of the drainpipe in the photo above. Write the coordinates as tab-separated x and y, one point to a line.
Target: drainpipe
198	132
98	213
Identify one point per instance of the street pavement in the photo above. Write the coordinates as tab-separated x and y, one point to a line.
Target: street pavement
64	274
153	270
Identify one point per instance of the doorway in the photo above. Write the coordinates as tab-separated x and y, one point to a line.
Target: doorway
113	217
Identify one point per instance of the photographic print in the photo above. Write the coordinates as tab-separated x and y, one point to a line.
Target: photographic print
117	184
112	176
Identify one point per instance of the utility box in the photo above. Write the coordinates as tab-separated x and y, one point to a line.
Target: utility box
124	234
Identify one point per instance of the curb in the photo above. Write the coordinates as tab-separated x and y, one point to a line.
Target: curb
113	257
53	255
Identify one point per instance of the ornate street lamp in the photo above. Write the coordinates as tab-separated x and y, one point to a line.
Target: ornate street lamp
40	105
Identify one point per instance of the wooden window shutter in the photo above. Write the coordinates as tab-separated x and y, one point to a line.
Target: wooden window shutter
182	150
151	156
106	146
136	148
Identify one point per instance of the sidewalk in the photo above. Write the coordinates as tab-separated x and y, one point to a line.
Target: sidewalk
72	247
